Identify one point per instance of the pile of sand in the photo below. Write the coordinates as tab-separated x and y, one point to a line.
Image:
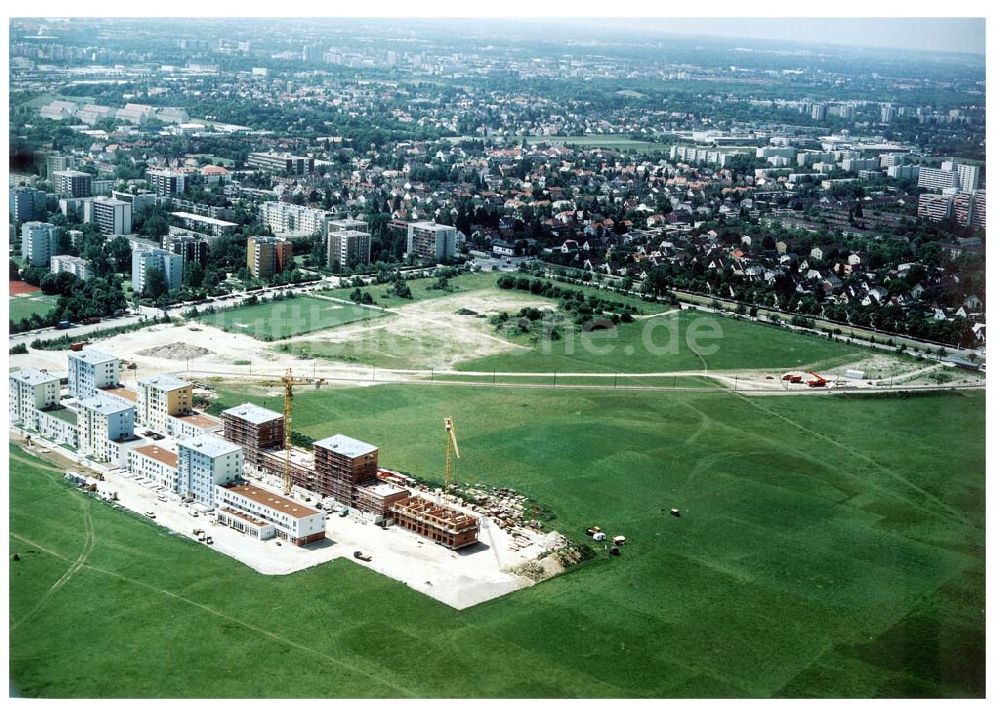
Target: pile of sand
175	350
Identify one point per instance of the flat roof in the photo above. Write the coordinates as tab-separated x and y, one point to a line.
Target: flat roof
198	419
63	414
30	375
272	500
201	218
381	489
345	445
212	446
164	382
122	392
92	356
252	413
105	404
157	453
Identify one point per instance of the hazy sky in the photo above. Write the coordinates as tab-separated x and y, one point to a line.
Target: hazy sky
936	34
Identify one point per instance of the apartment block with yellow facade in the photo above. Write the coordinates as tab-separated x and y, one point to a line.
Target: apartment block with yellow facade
160	397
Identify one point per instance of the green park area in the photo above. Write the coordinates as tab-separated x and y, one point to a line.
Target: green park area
24	306
285	318
818	554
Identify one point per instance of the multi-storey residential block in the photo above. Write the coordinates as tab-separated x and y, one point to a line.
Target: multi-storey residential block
31	390
427	240
90	371
146	260
112	216
294	219
282	162
38	243
161	396
267	255
103	421
140	201
204	463
166	182
58	163
79	267
27	204
342	464
190	247
72	183
205	224
348	249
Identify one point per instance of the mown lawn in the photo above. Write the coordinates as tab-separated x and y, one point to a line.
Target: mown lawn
829	546
286	318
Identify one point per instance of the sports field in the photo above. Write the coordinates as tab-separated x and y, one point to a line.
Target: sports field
287	318
420	289
818	554
615	142
24	306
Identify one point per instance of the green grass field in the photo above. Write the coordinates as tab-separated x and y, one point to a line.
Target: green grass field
287	318
421	289
24	306
673	342
815	557
615	142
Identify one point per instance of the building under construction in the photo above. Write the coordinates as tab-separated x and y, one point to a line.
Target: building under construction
444	525
341	465
255	429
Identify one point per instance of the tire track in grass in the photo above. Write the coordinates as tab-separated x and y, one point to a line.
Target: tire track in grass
946	509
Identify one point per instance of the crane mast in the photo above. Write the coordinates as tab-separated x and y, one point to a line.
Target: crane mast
450	443
286	477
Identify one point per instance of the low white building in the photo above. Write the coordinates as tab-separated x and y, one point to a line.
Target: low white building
154	463
59	425
79	267
262	514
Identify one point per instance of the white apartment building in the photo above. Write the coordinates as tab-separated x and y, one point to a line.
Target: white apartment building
59	425
204	463
79	267
112	216
154	463
31	390
102	421
38	243
160	397
91	370
261	514
146	260
288	218
427	240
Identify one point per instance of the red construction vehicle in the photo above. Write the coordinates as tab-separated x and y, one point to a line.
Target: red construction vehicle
817	382
792	378
77	346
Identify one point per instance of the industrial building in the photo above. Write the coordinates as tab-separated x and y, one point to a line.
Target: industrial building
91	370
262	514
444	525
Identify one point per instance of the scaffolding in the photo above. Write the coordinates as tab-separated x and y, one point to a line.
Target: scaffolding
444	525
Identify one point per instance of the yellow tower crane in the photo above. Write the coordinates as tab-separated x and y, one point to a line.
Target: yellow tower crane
449	443
288	380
